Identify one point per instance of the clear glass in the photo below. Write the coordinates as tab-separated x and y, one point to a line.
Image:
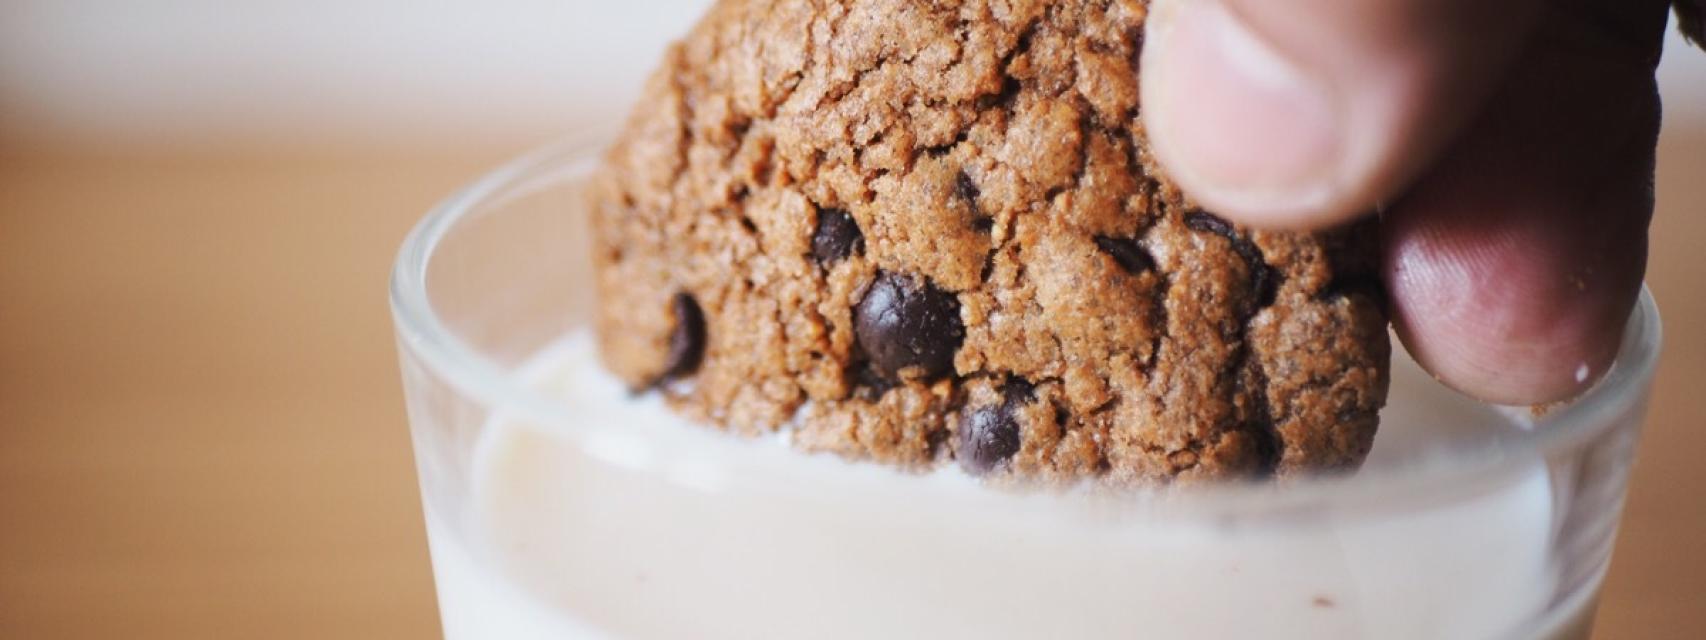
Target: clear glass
557	507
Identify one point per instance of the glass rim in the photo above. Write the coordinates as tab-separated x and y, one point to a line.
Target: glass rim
463	366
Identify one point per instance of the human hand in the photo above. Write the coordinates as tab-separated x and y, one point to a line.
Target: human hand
1508	147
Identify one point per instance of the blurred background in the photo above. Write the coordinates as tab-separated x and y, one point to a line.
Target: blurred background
201	428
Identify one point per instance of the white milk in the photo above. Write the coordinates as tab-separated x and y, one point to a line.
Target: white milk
609	533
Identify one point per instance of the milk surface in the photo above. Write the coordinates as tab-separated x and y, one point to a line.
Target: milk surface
642	525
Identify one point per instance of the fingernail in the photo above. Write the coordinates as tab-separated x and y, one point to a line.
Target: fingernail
1239	124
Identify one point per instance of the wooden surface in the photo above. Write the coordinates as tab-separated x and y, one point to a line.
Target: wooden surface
201	428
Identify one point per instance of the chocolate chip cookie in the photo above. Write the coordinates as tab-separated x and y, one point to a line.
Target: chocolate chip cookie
932	232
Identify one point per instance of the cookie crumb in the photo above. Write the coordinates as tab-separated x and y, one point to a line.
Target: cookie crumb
1539	411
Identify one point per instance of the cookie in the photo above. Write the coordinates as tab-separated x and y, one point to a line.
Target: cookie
930	233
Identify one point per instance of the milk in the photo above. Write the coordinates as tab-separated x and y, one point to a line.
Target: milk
638	524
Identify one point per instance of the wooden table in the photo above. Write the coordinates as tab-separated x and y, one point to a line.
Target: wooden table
201	429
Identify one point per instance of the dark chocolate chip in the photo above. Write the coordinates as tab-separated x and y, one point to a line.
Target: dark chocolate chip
1018	391
1130	255
989	437
836	237
867	383
1204	221
1246	249
904	322
1264	280
687	340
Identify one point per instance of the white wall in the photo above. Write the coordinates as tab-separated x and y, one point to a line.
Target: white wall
282	70
373	70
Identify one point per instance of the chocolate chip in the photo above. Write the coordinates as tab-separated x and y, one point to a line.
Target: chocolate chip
1264	280
1018	391
687	340
867	383
1130	255
905	322
836	237
989	435
1203	221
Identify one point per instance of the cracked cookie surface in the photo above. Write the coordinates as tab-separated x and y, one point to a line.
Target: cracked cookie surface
917	232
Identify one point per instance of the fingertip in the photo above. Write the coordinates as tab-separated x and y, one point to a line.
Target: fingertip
1243	129
1500	327
1511	290
1304	115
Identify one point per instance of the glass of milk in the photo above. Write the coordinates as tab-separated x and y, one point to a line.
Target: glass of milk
559	505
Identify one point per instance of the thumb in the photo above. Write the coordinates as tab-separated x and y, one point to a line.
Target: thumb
1309	112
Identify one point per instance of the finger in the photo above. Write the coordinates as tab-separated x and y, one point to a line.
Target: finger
1303	113
1513	265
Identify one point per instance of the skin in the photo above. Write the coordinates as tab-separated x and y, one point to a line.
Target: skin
1508	147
